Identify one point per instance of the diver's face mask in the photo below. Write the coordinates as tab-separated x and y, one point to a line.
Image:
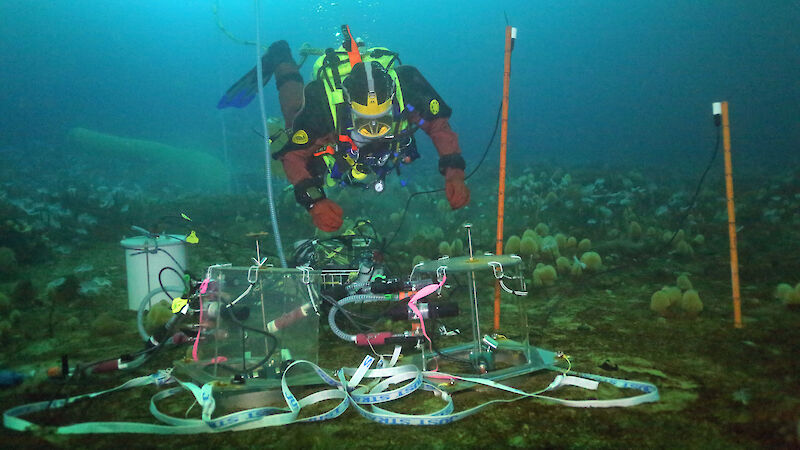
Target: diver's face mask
374	119
376	127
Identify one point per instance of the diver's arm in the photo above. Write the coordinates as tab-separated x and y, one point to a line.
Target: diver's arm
451	164
307	185
432	114
296	162
446	142
308	192
312	130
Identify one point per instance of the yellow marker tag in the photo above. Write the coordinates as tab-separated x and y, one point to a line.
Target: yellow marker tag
434	107
192	238
300	137
186	217
177	304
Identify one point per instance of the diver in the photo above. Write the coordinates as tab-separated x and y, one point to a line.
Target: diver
353	123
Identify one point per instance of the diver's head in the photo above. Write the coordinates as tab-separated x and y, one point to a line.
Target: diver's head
369	89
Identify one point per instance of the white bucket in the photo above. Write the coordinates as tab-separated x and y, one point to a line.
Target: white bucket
144	259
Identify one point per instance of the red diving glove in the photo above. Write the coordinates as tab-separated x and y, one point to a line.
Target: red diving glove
327	215
457	192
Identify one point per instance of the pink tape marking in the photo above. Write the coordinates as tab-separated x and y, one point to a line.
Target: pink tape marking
203	289
200	322
204	285
422	293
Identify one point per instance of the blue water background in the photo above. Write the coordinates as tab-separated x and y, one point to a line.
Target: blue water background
618	83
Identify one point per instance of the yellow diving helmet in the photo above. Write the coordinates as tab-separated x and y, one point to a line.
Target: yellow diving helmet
369	89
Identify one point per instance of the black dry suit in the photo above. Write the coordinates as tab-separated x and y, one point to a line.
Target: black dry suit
324	150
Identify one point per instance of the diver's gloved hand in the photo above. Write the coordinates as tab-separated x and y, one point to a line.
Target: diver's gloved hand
457	192
326	214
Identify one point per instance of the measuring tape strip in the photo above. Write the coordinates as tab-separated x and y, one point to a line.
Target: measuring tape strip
364	398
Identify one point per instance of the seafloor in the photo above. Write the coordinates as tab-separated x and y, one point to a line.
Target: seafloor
64	293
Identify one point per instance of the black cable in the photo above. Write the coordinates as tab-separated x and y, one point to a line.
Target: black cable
408	202
693	200
349	314
245	370
81	370
686	211
161	284
360	326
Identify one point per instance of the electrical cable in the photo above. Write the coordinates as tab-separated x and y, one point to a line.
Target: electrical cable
246	370
693	200
350	314
408	201
686	211
161	283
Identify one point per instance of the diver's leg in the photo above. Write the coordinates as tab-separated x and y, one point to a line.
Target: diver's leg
288	81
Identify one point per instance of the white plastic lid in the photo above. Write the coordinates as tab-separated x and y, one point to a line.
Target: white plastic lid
164	240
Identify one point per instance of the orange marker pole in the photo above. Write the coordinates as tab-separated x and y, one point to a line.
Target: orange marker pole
511	35
726	142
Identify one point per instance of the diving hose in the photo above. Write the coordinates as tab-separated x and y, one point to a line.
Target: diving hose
268	157
361	298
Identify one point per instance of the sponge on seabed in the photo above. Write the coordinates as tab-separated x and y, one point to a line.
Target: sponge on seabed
563	264
787	294
544	274
512	245
674	294
528	246
691	303
592	260
683	282
660	301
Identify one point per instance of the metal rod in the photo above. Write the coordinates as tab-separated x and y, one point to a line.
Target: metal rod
476	324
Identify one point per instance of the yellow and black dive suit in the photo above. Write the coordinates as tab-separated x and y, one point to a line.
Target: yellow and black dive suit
323	150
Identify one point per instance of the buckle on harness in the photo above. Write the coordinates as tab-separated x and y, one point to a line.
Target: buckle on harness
327	151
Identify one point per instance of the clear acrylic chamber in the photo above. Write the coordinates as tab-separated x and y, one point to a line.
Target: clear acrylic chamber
255	323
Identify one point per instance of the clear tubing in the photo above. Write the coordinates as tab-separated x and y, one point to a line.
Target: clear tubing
268	158
363	298
355	287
